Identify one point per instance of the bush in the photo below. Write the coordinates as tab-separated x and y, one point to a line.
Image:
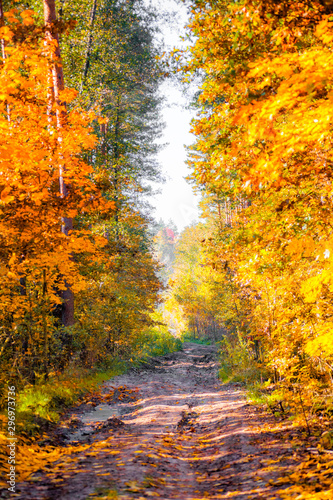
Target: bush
238	363
156	341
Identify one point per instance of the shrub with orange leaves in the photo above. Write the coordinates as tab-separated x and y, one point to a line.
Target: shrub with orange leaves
35	256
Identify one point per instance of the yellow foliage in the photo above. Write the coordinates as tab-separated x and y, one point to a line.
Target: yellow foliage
263	156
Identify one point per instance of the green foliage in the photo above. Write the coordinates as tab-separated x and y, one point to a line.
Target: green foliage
156	341
111	61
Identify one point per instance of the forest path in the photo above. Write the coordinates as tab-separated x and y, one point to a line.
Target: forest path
177	433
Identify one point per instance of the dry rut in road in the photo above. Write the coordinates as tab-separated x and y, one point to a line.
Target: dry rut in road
173	432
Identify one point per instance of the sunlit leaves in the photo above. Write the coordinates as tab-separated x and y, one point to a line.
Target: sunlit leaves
35	255
264	134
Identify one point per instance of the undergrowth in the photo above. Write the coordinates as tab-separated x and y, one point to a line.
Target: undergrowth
189	337
40	405
238	361
155	341
300	397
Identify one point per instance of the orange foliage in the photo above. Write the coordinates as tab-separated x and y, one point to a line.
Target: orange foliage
35	256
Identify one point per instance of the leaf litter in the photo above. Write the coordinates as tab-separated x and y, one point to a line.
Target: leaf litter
178	434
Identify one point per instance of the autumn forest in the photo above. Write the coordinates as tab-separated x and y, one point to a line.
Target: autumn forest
105	308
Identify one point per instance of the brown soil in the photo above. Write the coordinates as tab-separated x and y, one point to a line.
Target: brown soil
170	430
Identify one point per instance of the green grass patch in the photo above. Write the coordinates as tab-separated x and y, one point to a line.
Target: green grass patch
41	405
189	337
268	395
247	375
263	394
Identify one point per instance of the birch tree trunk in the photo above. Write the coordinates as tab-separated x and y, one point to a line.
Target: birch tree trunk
3	47
2	41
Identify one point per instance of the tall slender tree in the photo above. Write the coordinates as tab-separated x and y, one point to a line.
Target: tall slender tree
52	39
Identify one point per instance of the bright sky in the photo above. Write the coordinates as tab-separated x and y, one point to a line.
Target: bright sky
176	200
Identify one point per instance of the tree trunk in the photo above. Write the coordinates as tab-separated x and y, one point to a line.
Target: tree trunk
2	41
3	48
116	156
220	214
89	43
50	18
103	129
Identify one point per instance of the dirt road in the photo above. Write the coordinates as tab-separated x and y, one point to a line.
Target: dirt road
172	431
